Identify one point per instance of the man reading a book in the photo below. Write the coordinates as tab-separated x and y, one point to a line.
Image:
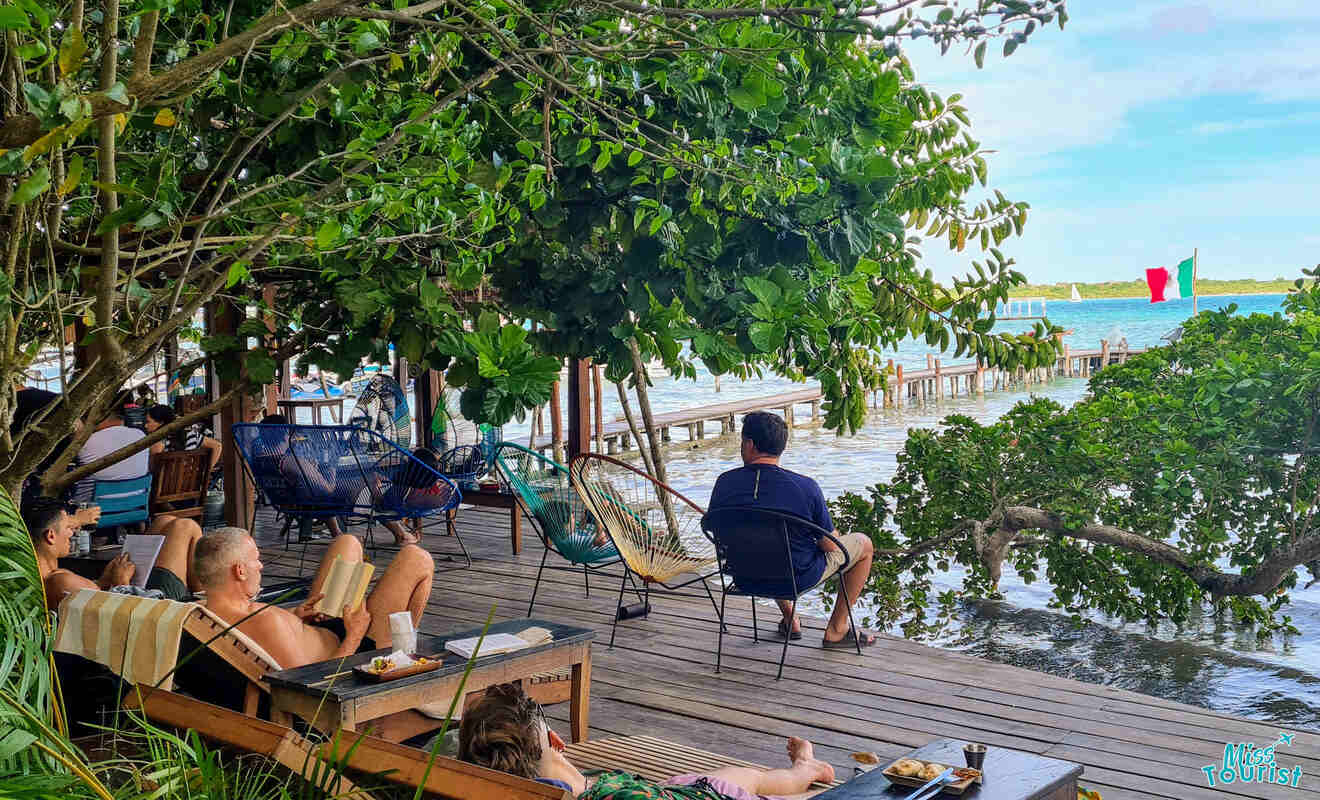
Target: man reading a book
228	566
52	524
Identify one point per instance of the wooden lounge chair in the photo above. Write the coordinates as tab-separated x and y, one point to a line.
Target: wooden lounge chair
655	759
396	763
179	482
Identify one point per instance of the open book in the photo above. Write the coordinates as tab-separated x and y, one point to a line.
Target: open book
496	643
345	585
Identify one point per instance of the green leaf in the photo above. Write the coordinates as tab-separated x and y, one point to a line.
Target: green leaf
764	290
11	19
980	55
118	93
743	100
327	234
602	160
634	158
766	336
365	42
36	183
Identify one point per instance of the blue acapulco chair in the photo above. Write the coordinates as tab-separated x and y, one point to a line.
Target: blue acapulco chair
542	490
323	471
752	545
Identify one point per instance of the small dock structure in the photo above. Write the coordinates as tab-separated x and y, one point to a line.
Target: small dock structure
918	386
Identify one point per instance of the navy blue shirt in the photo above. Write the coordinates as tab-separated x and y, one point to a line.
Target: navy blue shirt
776	488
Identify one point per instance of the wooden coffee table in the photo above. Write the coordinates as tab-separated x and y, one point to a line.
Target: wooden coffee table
1009	775
494	498
330	697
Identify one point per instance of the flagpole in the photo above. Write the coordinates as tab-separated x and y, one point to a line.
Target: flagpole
1193	281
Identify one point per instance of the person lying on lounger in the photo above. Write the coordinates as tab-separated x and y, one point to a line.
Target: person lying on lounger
228	566
507	731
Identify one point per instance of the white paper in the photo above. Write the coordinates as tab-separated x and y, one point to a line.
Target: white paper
494	644
143	549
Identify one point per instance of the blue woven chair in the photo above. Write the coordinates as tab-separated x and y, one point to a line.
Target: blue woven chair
317	472
122	502
541	487
752	548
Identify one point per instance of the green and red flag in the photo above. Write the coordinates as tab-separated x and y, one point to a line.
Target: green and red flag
1166	284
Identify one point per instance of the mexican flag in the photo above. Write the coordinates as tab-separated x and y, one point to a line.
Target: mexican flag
1170	285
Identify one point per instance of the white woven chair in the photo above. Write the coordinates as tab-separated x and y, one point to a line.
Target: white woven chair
656	531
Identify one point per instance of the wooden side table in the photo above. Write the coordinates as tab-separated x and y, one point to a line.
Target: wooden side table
330	697
497	499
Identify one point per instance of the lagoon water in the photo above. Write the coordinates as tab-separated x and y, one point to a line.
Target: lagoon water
1208	662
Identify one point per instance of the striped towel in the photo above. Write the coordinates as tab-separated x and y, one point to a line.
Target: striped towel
137	638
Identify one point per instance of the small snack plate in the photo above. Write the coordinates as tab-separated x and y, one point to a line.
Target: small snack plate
956	788
424	664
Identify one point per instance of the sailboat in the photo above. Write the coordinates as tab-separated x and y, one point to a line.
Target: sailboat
1076	296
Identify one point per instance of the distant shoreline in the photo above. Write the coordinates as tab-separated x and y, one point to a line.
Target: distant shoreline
1137	289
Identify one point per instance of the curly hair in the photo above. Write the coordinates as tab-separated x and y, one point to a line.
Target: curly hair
501	732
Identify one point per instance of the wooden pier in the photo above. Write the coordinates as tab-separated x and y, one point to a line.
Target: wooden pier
659	680
933	383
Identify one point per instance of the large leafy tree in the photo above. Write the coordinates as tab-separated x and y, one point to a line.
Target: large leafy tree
740	176
1189	478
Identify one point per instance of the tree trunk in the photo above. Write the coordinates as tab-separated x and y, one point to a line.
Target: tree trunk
657	454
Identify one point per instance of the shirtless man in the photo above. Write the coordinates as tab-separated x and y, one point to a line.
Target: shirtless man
228	566
52	524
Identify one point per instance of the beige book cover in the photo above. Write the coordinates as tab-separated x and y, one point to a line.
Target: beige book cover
345	585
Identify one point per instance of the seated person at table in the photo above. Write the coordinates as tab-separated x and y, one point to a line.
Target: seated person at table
762	482
228	566
190	438
506	731
111	435
276	452
52	524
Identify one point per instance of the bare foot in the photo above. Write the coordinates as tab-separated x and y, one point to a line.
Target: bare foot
406	539
803	755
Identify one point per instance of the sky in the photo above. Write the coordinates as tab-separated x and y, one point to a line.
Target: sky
1144	129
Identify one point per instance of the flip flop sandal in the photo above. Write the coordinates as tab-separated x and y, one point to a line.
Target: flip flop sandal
784	632
848	642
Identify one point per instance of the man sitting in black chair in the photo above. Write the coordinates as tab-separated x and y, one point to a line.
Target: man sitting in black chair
762	482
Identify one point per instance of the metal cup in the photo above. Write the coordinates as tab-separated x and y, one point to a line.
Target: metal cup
975	755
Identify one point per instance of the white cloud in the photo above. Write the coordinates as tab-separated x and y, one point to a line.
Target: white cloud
1256	123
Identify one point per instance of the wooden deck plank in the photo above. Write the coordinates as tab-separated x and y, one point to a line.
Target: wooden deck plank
659	680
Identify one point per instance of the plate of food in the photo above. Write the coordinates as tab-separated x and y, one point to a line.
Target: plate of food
392	667
916	773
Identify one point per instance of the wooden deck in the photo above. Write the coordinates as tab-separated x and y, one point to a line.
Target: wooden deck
659	680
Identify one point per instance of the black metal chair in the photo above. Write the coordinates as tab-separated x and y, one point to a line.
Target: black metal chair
752	547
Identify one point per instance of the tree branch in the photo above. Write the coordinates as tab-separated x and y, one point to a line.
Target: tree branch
1263	581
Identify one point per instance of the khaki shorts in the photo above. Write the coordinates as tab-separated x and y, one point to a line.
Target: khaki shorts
854	544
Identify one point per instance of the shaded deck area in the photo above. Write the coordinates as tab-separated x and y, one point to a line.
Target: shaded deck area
659	679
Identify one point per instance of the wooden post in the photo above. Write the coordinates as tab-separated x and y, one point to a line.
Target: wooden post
428	388
1122	350
980	376
171	366
939	381
579	408
899	399
598	406
556	424
788	417
1104	353
240	494
815	408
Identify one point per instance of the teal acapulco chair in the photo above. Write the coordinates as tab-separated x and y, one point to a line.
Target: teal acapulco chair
541	487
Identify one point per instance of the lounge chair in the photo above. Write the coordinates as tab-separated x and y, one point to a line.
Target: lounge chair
558	515
445	777
656	530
